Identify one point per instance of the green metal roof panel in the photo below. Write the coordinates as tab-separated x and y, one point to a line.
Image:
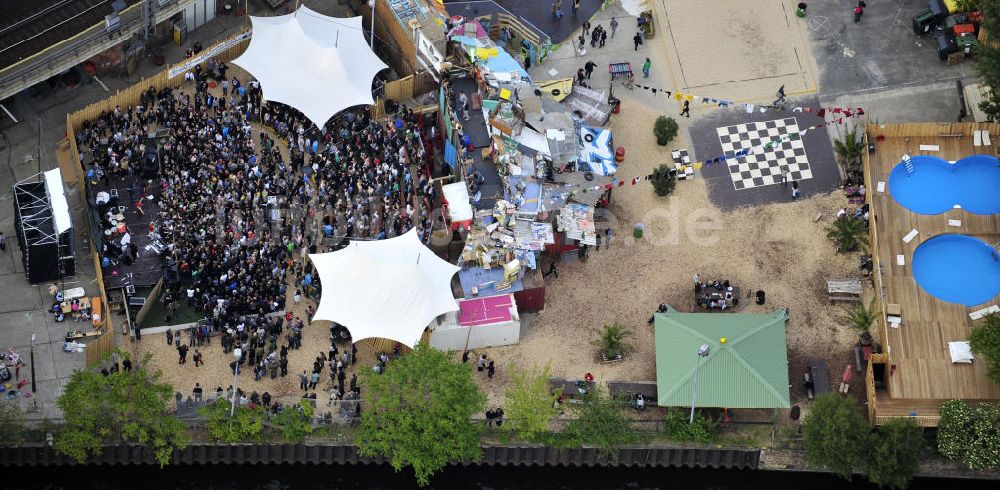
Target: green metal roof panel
749	371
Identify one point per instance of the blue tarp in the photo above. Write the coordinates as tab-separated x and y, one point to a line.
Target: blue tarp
503	62
449	153
476	276
597	154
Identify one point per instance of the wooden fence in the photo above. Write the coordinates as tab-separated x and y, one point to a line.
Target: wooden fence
927	130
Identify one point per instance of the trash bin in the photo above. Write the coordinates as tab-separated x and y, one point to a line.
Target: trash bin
945	45
938	8
923	22
967	43
801	11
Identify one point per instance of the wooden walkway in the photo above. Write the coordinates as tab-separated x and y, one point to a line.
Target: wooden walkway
923	374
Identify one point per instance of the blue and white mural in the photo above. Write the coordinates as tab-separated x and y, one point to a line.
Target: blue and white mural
596	151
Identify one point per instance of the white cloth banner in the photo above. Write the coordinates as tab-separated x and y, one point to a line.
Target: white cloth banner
205	55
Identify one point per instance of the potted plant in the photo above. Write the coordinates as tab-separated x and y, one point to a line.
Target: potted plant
665	129
862	317
849	150
664	180
612	340
848	234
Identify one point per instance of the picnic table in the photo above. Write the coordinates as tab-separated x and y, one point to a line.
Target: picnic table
819	376
570	388
630	388
710	297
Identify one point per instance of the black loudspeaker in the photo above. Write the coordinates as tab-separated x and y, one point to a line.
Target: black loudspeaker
150	166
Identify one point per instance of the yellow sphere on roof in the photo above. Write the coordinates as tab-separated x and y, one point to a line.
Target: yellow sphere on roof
722	340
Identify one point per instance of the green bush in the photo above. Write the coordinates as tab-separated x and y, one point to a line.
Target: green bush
295	421
835	434
677	428
894	454
246	424
529	403
664	180
665	130
985	342
984	453
601	421
954	433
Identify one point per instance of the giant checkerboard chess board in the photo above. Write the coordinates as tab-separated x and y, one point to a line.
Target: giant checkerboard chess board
765	165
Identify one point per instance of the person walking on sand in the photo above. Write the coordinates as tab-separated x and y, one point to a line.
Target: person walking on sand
795	190
490	370
297	297
687	109
637	39
589	68
552	270
859	11
604	38
576	7
481	363
586	27
614	27
645	68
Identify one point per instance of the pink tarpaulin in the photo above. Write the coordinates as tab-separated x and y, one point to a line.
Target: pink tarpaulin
484	311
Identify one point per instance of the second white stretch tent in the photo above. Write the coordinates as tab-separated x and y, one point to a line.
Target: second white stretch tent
317	64
386	288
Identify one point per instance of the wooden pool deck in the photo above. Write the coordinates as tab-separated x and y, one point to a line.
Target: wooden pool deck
920	374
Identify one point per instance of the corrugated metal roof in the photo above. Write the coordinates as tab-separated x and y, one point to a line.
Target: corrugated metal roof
749	371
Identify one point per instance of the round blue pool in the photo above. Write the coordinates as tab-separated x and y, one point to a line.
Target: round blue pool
957	268
936	186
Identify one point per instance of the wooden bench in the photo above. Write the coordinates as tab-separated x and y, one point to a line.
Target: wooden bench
630	388
568	387
97	319
848	290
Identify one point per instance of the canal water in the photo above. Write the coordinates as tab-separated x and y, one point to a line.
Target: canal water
470	477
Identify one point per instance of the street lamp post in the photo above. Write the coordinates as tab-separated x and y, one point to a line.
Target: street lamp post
702	352
34	387
371	5
238	354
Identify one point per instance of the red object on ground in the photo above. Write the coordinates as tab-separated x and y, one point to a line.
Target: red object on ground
965	29
617	109
848	373
620	154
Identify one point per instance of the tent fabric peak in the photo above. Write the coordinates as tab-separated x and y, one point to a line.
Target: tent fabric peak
317	64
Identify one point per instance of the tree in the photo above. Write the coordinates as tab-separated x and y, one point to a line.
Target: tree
678	428
988	58
861	317
245	425
418	413
665	130
985	341
664	180
894	454
954	433
849	150
612	339
126	406
295	421
848	234
601	421
529	403
984	453
835	434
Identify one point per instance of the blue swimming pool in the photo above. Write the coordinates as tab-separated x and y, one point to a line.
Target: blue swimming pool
935	186
957	268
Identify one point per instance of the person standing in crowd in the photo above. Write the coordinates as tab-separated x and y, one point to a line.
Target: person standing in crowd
637	40
614	27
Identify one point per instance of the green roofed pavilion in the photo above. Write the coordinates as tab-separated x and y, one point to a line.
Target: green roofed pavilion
748	370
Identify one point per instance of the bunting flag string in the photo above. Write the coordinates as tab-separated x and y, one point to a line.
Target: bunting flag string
615	182
750	107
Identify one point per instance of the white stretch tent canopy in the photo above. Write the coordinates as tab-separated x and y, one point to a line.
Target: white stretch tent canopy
386	288
317	64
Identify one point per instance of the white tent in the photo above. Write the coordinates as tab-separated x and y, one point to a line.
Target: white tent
386	288
317	64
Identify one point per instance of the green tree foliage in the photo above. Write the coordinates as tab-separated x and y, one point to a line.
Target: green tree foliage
988	58
835	434
665	130
613	341
295	421
664	180
601	421
677	428
418	413
985	342
849	150
860	316
894	454
954	433
848	234
127	406
984	453
246	424
529	404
